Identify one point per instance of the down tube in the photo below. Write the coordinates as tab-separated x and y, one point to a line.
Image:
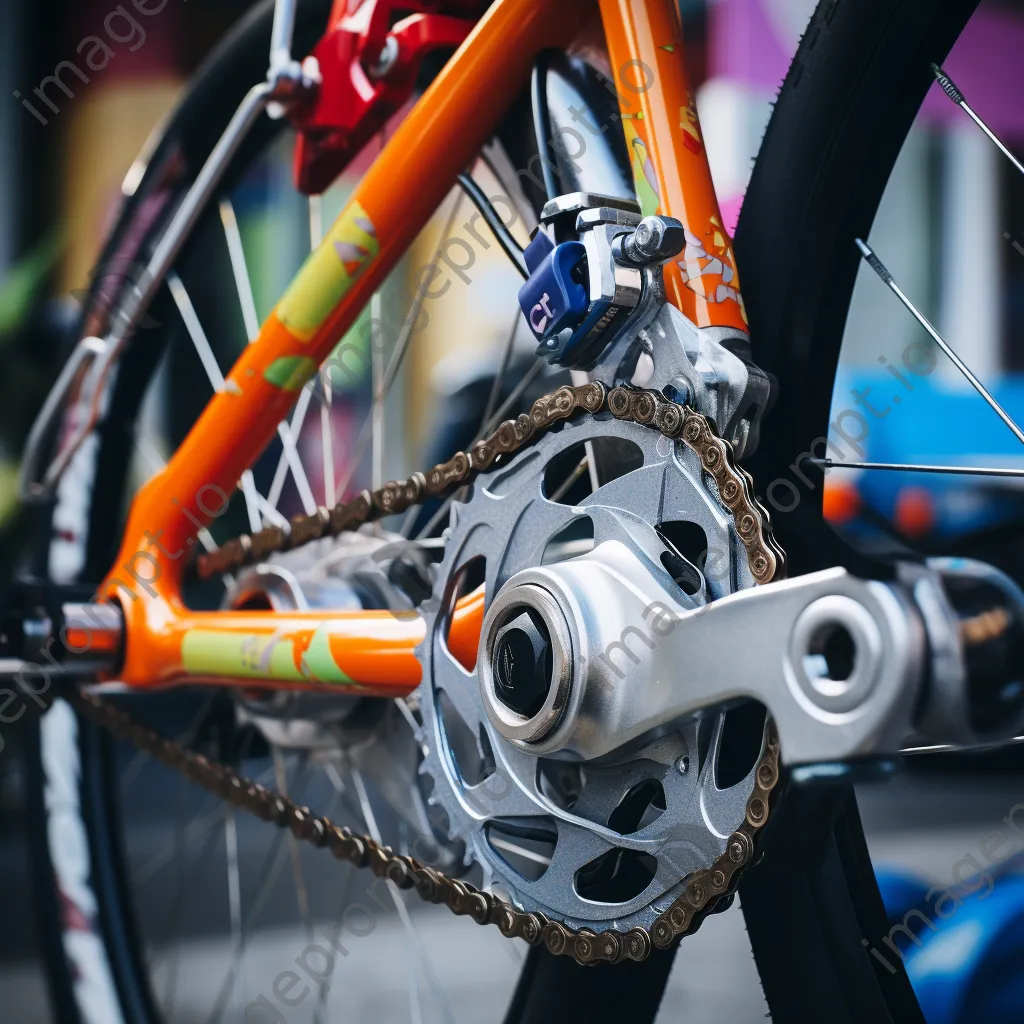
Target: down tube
437	140
668	158
396	197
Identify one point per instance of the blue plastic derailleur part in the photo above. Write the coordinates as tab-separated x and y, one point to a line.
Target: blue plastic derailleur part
556	302
554	297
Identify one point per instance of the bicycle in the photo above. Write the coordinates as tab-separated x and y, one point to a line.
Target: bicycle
498	664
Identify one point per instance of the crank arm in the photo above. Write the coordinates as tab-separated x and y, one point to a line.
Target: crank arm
848	668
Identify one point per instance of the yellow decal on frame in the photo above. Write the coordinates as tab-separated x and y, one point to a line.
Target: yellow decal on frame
329	273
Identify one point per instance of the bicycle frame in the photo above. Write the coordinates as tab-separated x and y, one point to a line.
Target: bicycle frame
373	652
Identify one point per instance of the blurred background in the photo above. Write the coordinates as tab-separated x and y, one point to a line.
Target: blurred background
951	230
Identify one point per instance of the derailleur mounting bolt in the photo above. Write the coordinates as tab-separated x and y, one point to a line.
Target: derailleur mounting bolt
653	240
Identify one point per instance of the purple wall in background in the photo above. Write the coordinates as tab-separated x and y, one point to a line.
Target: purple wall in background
985	63
744	45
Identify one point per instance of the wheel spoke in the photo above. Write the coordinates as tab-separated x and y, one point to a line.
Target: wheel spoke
291	453
958	98
910	467
129	775
270	512
202	346
195	831
395	362
298	876
247	300
239	268
520	851
879	268
415	940
438	516
316	221
234	883
148	447
335	934
514	397
499	377
270	869
327	437
490	157
509	403
377	383
289	458
195	331
316	236
178	904
583	467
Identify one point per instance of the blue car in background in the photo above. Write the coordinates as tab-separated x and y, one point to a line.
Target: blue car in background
935	424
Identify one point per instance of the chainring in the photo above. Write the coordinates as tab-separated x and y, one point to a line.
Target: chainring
588	844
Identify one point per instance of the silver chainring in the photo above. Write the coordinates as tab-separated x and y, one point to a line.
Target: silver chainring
539	840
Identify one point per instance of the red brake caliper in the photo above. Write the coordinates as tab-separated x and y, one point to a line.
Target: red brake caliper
368	63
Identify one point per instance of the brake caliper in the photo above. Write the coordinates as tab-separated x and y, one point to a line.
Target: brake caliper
364	69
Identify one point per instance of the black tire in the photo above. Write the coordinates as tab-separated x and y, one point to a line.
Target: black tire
844	111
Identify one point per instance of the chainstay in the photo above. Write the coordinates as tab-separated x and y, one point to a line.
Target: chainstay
645	407
702	889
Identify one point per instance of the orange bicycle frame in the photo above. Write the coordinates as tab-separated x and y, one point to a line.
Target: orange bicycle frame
373	652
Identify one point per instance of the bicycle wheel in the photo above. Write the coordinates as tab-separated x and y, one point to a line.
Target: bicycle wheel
844	111
820	891
115	901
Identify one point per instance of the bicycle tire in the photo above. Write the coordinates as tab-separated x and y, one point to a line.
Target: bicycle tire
858	79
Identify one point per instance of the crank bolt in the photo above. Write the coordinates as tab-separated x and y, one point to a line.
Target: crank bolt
522	664
525	669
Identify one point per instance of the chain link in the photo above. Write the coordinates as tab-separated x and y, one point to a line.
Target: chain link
702	889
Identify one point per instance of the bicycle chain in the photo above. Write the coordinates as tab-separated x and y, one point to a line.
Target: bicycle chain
703	889
644	407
